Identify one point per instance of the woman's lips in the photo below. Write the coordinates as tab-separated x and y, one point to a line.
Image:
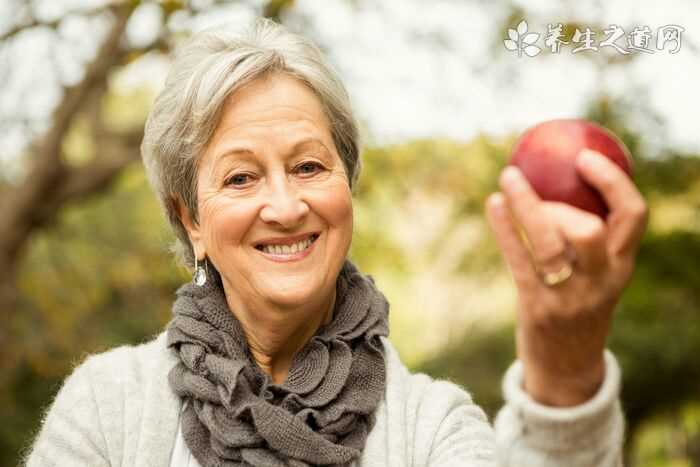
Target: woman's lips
299	255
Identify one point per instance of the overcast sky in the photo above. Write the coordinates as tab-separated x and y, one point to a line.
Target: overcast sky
415	68
406	88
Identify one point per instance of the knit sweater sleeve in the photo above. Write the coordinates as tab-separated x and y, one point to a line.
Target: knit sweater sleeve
71	433
588	435
463	436
527	434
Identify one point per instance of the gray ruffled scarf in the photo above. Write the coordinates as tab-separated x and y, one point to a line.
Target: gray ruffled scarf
322	413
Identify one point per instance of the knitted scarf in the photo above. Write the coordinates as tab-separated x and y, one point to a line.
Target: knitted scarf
321	414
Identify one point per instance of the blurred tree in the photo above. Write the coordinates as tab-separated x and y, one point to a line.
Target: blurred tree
66	308
54	308
52	178
656	333
100	275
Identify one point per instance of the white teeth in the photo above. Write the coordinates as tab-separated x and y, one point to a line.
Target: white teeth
287	249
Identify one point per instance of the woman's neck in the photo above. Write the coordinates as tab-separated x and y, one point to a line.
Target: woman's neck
276	334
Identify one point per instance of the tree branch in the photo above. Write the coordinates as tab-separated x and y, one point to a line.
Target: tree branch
274	9
34	23
18	208
118	151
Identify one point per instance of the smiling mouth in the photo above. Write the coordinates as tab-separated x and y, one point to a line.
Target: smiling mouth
288	249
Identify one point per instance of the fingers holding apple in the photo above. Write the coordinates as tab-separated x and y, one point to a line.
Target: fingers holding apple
546	154
628	215
540	235
510	242
586	166
536	236
562	197
561	331
585	232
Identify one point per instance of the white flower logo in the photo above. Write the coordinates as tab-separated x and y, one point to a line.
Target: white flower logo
522	41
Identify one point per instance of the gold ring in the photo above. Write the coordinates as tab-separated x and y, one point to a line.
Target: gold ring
551	279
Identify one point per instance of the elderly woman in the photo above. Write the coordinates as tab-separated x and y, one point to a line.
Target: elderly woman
277	354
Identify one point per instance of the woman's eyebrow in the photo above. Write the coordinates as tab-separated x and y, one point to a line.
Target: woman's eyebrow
244	152
311	140
247	152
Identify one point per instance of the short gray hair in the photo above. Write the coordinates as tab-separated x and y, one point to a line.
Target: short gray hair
211	66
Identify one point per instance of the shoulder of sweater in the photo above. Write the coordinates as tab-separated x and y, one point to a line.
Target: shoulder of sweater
131	362
420	382
441	421
423	392
90	420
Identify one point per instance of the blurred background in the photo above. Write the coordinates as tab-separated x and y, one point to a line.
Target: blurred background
84	260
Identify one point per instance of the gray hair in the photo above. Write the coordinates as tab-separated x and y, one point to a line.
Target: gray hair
211	66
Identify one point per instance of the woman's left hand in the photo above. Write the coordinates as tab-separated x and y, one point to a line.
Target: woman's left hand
562	328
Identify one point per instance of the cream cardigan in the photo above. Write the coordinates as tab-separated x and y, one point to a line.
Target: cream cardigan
117	409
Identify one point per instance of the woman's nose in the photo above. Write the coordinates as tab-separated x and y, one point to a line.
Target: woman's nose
283	203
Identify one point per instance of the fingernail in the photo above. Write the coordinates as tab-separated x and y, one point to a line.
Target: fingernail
496	200
496	204
511	174
588	157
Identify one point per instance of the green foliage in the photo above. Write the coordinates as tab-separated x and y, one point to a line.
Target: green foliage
657	327
670	438
477	364
103	276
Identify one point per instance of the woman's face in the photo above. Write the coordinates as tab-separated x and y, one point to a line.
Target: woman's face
269	173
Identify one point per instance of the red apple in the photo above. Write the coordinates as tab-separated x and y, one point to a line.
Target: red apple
547	152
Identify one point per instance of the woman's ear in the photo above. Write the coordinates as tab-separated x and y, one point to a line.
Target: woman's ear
191	226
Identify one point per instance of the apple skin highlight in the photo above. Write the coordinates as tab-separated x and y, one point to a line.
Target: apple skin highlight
546	154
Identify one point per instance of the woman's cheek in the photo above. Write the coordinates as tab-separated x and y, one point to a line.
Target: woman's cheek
229	221
339	205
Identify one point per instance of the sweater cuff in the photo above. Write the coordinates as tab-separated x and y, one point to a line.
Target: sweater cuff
579	426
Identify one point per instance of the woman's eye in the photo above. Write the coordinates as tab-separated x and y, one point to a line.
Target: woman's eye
238	179
309	167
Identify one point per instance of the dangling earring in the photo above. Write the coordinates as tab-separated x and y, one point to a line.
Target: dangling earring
200	273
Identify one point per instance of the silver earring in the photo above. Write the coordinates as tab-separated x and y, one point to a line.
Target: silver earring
200	273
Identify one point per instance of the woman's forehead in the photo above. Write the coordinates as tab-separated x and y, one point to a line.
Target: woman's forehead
273	99
279	110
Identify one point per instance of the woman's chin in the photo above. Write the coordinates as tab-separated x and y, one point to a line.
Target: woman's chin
289	302
290	295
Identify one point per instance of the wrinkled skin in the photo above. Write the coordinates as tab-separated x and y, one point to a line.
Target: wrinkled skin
562	329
